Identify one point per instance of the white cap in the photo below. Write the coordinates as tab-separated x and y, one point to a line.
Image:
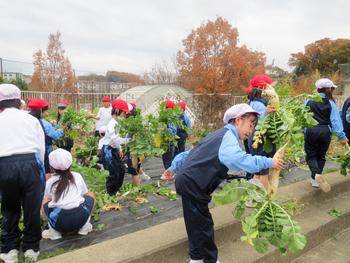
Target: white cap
130	107
102	129
325	83
9	92
60	159
237	111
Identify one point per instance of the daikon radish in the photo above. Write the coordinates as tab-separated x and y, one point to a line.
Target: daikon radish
271	95
274	174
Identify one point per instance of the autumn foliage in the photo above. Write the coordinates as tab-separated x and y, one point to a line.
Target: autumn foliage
116	76
52	70
323	55
212	62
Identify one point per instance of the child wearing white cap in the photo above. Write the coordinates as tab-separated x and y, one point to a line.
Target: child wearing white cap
201	170
67	202
22	178
318	138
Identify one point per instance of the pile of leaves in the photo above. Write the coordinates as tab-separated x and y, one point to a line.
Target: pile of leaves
270	223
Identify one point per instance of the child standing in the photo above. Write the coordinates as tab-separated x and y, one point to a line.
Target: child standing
67	202
318	138
259	104
111	152
104	114
203	168
22	148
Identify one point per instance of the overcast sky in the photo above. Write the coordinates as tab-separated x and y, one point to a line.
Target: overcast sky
132	35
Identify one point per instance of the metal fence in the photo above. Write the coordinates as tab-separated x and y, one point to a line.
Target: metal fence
208	109
87	101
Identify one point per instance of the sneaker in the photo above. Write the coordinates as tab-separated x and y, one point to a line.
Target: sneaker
145	177
31	255
314	183
196	261
324	185
51	234
85	229
10	257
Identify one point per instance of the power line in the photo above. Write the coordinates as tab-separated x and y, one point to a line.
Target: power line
30	63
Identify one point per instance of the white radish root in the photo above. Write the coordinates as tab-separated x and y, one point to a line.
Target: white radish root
274	174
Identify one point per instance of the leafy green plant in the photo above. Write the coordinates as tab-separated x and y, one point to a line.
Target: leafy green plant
344	160
75	122
334	212
268	223
86	153
286	124
149	134
154	210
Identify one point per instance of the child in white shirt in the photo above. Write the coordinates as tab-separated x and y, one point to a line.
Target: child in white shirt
67	202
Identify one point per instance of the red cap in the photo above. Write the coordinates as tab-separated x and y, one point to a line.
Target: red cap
248	90
120	105
260	81
63	104
37	104
169	104
182	105
106	99
133	104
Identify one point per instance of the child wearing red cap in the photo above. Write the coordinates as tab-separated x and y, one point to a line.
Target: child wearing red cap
168	156
259	104
103	115
182	133
39	109
134	163
112	151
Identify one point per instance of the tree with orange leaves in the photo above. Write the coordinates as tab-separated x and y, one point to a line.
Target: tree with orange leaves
211	61
53	71
323	55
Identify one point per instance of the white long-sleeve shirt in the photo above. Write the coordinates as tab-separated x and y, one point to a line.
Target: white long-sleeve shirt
112	138
104	116
20	133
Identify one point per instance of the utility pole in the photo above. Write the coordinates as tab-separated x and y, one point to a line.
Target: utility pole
1	73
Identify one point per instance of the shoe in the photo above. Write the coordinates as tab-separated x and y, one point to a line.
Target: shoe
85	229
31	255
10	257
250	204
145	177
314	183
196	261
51	234
324	185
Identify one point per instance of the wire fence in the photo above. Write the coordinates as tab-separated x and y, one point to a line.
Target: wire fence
208	109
